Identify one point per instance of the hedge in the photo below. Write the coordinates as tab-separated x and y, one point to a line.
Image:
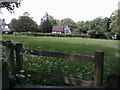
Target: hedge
49	34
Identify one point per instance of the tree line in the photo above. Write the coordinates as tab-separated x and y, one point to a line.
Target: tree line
96	28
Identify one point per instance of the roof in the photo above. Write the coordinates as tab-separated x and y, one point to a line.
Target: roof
58	28
6	29
46	15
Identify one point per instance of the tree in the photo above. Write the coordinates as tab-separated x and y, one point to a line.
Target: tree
97	28
83	27
69	22
10	6
13	24
54	22
114	25
46	26
23	24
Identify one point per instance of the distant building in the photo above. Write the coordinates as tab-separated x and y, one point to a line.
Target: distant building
4	26
3	23
45	17
61	29
56	29
116	37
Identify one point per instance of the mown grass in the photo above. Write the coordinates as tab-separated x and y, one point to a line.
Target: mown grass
83	46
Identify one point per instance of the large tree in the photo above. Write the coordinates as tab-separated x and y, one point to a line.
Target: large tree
23	24
82	26
46	26
13	24
115	22
69	22
54	22
98	28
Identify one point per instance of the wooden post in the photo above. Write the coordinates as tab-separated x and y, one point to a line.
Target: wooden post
98	73
5	76
12	81
7	42
19	57
5	71
11	62
113	81
0	74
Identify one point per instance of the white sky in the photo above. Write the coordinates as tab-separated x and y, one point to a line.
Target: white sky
77	10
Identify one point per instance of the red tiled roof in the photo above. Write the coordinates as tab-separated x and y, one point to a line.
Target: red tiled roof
57	28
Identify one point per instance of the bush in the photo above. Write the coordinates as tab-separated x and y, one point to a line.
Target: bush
49	34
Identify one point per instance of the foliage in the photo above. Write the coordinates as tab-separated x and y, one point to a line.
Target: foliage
10	6
13	24
69	22
23	24
103	28
54	22
83	27
48	34
97	28
114	25
46	26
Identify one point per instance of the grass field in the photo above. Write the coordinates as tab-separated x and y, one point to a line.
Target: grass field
83	46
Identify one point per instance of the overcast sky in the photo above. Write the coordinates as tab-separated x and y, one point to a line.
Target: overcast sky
77	10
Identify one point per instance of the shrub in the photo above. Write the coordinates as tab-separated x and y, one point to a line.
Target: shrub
49	34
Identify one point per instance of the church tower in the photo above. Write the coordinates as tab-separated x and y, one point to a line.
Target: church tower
45	17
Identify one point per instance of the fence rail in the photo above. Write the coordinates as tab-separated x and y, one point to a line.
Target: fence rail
63	79
59	55
16	65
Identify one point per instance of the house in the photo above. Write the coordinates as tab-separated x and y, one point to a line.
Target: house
57	29
4	27
61	29
116	37
3	23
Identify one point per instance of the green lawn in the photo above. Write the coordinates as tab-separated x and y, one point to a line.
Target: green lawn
83	46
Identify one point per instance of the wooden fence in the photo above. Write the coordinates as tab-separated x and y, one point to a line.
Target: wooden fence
12	64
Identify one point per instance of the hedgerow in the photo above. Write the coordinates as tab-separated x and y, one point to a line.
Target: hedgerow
49	34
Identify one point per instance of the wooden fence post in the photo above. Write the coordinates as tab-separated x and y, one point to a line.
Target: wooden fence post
113	81
5	76
19	57
0	74
98	73
11	62
7	42
19	60
5	71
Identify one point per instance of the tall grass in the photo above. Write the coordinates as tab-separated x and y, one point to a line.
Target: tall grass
83	46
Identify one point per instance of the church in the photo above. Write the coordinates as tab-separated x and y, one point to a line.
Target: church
57	29
45	17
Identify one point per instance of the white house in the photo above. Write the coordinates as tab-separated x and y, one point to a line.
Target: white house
61	29
4	26
67	30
